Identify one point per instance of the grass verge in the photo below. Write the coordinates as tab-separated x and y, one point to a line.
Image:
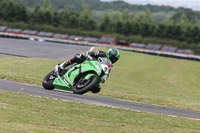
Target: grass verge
22	113
137	77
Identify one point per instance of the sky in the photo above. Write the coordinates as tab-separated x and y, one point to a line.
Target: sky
194	4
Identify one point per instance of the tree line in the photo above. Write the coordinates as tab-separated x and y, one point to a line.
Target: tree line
124	24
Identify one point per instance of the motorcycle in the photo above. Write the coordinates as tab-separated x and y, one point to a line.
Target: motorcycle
79	78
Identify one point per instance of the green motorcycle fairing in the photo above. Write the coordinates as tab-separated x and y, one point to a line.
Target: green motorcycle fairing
66	82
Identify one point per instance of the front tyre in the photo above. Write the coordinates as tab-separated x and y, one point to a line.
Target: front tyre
84	86
47	82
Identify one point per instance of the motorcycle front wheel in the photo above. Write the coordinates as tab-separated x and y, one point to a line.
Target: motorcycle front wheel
83	86
47	82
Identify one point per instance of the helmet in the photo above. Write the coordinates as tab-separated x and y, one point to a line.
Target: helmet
113	54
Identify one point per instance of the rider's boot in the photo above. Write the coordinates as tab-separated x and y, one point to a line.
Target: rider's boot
60	67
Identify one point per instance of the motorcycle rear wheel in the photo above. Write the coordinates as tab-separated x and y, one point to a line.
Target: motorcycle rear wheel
84	86
47	82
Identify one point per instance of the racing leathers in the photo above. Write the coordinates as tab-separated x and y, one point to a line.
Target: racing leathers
79	58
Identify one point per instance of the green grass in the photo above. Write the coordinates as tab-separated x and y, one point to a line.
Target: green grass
22	113
137	77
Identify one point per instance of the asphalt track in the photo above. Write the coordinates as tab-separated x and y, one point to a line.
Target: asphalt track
26	48
36	49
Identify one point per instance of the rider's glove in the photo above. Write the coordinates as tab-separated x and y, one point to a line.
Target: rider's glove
58	68
89	57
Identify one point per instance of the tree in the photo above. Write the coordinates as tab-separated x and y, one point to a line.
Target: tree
43	14
56	19
47	12
188	34
86	21
184	21
126	16
136	28
119	27
37	15
47	6
65	16
106	24
160	31
13	11
145	18
127	28
116	17
145	24
177	32
74	21
195	34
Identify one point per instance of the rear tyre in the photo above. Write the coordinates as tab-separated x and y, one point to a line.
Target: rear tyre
84	86
47	82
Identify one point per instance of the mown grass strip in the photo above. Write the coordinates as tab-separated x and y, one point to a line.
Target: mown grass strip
22	113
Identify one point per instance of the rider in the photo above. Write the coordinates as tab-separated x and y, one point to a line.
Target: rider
112	54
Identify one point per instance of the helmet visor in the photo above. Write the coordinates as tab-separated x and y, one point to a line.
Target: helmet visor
113	59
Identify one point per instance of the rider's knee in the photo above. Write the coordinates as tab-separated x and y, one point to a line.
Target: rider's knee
96	89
